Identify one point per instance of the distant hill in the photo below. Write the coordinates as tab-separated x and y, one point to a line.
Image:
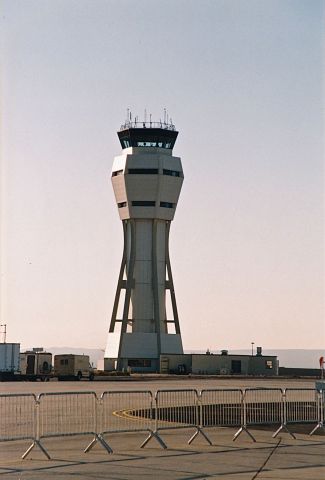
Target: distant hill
289	358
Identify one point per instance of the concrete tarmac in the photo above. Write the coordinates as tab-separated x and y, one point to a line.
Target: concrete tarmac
153	383
280	458
268	458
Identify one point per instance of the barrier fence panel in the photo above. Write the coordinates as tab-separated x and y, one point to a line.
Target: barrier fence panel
126	411
18	414
66	414
177	409
220	408
262	406
302	405
18	417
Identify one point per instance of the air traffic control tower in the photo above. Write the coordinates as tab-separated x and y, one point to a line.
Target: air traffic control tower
147	180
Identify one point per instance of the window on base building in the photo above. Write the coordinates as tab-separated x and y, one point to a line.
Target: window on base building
268	364
139	362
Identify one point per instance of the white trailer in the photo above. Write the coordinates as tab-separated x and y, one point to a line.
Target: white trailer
36	365
9	360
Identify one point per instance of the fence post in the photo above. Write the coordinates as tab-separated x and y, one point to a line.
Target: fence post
97	436
154	433
36	441
199	428
320	408
243	427
283	425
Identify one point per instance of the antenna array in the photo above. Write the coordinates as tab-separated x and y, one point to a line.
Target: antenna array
167	122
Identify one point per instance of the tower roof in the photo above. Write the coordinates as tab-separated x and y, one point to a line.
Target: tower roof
147	134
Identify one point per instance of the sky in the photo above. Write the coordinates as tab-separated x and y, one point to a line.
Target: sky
243	83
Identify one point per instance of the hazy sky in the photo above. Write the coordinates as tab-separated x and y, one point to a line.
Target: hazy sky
242	80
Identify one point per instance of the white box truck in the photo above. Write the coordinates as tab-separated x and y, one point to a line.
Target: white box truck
72	367
9	360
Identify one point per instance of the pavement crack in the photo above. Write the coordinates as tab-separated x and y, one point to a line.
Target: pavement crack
266	461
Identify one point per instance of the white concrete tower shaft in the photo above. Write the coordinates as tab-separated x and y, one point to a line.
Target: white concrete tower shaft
147	181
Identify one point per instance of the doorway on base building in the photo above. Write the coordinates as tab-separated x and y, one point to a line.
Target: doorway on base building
235	366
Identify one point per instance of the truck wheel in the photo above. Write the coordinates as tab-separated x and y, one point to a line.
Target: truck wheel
79	376
91	377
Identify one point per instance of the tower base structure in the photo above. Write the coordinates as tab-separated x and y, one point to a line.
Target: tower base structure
139	350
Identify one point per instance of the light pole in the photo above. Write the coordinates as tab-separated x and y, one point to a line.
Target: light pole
252	348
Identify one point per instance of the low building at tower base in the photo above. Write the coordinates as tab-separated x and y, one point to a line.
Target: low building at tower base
199	364
219	364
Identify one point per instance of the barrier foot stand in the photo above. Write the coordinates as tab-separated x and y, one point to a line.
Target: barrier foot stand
199	431
157	437
100	439
283	427
40	446
319	425
243	429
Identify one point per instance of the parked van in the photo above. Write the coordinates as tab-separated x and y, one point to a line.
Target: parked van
72	367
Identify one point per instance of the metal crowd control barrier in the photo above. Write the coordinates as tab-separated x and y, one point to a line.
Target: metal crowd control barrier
18	418
176	409
67	414
125	412
25	416
220	408
261	406
301	405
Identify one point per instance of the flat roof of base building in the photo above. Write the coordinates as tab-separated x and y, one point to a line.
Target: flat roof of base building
241	355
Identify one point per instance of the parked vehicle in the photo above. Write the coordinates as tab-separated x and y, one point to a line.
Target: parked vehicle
72	367
9	361
36	365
